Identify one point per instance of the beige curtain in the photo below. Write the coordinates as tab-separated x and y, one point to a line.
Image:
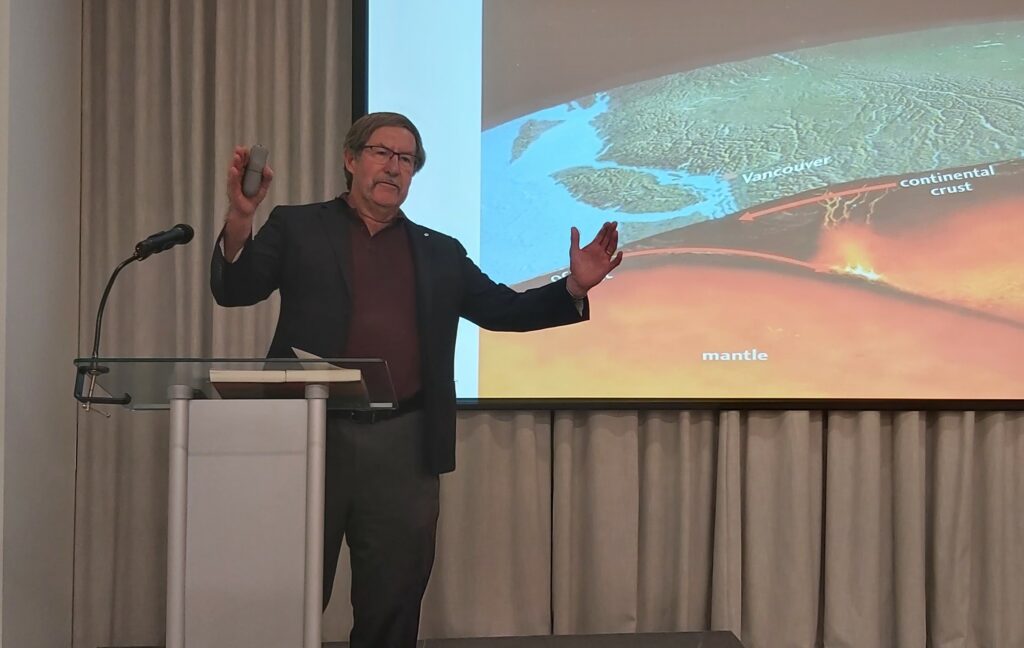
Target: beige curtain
789	528
792	528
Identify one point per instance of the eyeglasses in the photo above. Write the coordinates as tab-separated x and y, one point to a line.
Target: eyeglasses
382	155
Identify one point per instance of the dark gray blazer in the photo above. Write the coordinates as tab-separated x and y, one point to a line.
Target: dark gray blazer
302	250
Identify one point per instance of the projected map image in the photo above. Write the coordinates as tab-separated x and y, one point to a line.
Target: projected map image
841	221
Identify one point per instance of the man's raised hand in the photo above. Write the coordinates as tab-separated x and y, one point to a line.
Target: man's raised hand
238	220
238	202
588	266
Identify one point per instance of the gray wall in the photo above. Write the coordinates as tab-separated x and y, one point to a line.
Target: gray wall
39	223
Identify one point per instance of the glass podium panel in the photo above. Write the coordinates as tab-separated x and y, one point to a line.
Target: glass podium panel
142	383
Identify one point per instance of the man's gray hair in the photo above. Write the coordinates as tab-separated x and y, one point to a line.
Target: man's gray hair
364	127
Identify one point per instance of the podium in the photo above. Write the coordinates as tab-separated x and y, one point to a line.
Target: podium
246	485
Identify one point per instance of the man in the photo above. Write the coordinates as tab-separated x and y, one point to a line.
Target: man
359	279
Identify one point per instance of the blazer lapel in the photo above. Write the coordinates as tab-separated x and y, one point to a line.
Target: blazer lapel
419	242
336	226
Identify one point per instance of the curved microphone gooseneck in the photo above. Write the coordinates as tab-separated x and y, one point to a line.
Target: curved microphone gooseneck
180	234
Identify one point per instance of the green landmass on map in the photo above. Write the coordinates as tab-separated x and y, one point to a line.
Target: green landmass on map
883	106
624	190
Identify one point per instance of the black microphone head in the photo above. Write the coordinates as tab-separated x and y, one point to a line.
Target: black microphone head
177	235
186	232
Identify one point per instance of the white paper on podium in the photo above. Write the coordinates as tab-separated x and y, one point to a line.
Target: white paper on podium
312	361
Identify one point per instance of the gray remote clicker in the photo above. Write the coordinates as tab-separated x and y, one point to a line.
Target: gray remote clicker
254	170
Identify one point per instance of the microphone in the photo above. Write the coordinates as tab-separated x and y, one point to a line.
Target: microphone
177	235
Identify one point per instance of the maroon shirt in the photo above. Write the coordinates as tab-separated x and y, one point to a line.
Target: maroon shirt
383	293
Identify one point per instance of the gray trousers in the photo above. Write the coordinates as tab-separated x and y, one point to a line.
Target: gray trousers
381	498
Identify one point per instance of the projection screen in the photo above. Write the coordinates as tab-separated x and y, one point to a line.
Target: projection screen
817	199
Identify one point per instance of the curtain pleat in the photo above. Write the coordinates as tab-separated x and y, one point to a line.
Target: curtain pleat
492	572
595	522
676	520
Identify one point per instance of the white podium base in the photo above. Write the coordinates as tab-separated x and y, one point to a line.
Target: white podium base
245	522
